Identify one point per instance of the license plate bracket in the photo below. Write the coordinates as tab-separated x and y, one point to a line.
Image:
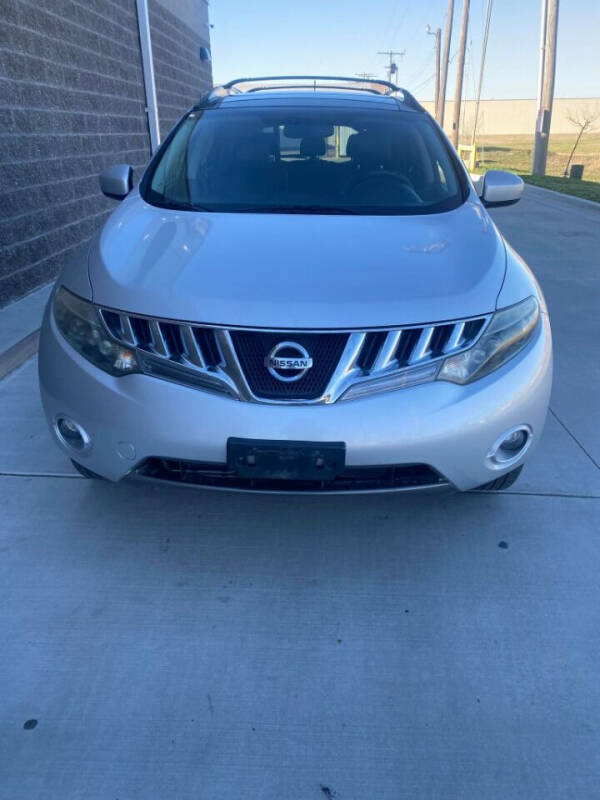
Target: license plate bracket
285	460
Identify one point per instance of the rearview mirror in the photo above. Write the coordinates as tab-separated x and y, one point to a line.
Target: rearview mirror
117	181
500	188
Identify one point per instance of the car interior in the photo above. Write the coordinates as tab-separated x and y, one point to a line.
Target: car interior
246	160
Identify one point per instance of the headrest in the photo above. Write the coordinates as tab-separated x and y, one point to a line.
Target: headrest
305	130
369	149
351	143
312	146
254	148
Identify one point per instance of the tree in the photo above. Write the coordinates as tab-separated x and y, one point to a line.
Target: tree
583	118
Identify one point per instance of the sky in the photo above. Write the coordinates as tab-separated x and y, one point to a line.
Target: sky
342	37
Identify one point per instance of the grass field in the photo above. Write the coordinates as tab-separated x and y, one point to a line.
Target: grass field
515	153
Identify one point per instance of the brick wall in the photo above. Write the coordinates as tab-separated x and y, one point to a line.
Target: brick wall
72	102
179	74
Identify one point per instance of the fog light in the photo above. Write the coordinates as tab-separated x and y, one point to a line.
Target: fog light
72	434
510	446
514	441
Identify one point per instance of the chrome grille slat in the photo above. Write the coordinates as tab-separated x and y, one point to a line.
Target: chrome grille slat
127	329
112	322
159	344
454	342
422	348
388	350
370	349
141	331
192	348
205	356
233	368
347	366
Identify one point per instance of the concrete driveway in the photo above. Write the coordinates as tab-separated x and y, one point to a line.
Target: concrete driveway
164	643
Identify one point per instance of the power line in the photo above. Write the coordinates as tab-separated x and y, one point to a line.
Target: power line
398	26
422	84
391	20
431	77
488	17
418	72
365	76
438	40
445	59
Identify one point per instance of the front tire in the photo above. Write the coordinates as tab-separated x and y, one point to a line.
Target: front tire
501	483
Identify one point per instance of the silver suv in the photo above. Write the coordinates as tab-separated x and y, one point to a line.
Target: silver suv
305	293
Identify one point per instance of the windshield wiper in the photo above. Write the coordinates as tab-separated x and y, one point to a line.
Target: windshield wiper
181	206
295	209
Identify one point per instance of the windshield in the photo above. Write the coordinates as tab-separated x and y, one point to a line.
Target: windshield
301	160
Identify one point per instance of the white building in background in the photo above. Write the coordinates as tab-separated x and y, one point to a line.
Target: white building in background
497	117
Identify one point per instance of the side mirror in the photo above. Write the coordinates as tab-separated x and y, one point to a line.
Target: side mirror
500	188
117	181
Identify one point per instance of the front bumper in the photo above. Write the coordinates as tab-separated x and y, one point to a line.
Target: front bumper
448	427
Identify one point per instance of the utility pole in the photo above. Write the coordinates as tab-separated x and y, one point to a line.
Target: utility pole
488	17
438	40
365	75
445	59
392	68
542	129
460	69
542	66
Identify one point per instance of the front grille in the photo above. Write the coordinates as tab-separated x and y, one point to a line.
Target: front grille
176	341
371	347
353	479
233	361
252	347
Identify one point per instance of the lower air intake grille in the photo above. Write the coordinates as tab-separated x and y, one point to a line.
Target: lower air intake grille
252	347
353	479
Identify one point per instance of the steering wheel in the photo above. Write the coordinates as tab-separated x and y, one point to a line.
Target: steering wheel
360	184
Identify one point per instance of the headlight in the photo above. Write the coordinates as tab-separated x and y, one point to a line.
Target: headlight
506	335
82	326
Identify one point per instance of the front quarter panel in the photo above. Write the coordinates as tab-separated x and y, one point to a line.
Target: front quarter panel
74	274
519	282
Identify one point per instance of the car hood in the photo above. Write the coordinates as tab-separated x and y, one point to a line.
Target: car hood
295	270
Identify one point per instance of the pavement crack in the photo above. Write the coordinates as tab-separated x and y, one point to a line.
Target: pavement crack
4	474
575	439
562	495
19	353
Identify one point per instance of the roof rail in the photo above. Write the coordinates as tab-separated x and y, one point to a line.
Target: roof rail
390	87
336	86
337	82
